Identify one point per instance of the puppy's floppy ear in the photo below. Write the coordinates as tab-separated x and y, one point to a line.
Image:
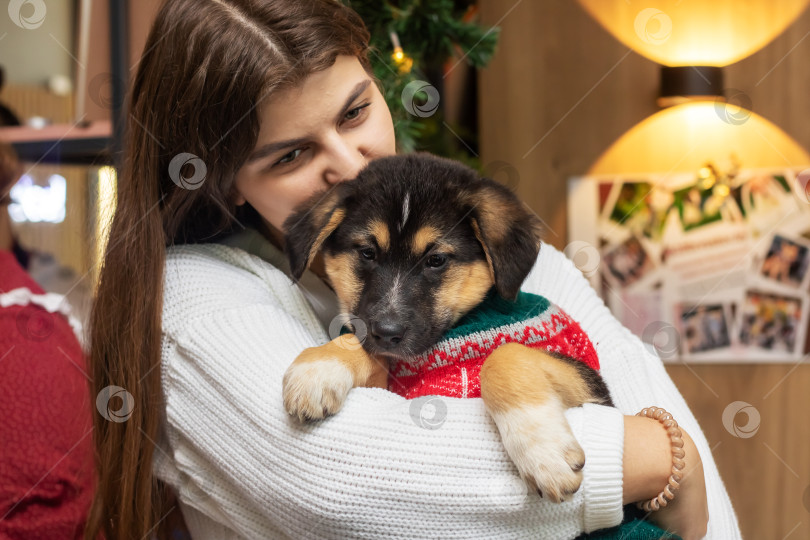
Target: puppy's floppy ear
308	227
509	233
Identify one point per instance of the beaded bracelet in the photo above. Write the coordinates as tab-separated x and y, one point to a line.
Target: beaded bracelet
669	491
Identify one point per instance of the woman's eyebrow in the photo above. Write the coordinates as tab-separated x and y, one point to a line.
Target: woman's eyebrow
271	148
358	89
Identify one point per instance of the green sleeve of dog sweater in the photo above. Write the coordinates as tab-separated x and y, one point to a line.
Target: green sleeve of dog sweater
632	527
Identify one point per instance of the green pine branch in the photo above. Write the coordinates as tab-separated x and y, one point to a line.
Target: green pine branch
431	32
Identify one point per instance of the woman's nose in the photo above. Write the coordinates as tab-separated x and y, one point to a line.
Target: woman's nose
345	161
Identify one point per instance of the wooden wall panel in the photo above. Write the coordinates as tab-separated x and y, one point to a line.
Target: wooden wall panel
141	15
777	80
768	474
27	100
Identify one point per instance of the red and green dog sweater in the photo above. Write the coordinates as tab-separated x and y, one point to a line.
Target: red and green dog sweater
452	367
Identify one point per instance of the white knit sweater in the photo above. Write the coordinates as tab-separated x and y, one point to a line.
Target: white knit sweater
232	323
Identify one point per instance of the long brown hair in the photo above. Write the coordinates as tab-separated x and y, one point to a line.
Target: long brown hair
207	65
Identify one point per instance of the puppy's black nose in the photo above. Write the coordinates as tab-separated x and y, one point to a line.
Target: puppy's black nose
387	333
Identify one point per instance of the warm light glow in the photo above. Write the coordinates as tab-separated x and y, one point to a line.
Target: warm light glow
721	190
105	208
34	204
684	138
695	33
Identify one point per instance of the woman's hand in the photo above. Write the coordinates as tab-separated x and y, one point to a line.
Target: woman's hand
647	466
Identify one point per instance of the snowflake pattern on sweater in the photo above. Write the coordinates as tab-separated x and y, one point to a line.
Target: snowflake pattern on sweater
452	367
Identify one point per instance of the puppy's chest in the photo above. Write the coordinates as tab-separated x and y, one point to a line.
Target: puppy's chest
452	367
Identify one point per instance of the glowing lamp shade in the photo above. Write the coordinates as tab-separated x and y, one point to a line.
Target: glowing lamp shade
696	32
683	138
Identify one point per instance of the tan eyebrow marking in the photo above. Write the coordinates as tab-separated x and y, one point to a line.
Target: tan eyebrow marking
423	238
379	231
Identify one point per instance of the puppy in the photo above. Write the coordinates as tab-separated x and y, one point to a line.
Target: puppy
425	254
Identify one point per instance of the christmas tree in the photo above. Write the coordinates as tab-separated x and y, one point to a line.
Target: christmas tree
411	42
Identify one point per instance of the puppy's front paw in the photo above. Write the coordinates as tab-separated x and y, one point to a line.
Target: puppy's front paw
316	389
543	448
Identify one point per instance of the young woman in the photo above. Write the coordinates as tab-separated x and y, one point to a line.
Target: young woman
266	102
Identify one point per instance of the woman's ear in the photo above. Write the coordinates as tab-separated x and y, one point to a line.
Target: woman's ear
509	232
308	227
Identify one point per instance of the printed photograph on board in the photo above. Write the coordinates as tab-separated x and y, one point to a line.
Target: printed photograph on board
704	328
770	321
787	261
628	262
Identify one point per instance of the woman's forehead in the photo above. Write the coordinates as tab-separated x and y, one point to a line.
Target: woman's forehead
292	112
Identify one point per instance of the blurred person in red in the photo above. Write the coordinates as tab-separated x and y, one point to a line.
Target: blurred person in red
46	465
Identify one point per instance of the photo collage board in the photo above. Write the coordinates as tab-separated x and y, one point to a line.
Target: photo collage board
709	266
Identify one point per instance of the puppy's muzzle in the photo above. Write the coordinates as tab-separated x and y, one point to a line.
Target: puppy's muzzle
388	334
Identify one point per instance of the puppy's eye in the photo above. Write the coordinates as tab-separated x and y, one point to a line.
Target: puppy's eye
436	261
368	254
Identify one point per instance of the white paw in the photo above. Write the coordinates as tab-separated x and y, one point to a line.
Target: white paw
543	448
317	389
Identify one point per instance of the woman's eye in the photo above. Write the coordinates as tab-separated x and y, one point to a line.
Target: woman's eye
368	254
290	156
436	261
355	113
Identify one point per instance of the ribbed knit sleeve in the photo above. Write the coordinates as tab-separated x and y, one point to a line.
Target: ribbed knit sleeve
383	467
634	374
